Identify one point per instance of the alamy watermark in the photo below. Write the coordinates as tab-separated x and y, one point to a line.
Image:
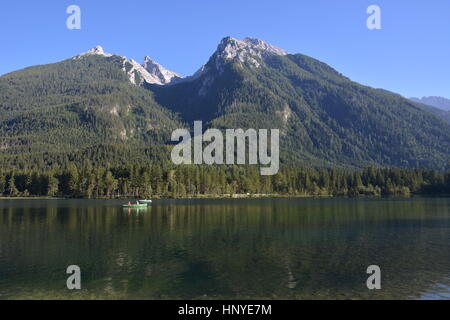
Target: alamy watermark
192	151
374	281
74	280
73	22
374	20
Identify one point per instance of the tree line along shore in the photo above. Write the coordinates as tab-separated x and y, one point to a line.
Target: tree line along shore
226	181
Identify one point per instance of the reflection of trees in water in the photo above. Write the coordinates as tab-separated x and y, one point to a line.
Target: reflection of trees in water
232	248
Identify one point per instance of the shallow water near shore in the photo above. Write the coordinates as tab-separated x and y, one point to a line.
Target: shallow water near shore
226	249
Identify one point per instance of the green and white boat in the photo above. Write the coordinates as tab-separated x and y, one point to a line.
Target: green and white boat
145	201
135	205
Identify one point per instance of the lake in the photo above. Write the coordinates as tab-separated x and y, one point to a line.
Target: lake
226	249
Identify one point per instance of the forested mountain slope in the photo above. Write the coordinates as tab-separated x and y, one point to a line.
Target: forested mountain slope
108	110
325	118
442	113
81	108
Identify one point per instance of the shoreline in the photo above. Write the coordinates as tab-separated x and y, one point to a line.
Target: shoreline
235	196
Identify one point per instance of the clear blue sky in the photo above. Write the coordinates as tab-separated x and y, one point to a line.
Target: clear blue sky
410	55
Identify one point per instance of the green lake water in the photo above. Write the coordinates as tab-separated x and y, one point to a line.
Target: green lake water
226	249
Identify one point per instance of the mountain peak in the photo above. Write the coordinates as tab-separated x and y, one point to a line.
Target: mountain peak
251	51
248	50
256	46
98	50
150	72
154	68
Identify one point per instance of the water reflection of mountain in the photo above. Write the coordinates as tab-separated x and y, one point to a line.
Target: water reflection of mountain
266	248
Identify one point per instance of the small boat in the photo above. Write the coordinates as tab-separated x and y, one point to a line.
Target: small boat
135	205
145	201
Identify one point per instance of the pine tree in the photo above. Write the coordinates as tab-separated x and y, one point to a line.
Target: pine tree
2	183
52	185
11	189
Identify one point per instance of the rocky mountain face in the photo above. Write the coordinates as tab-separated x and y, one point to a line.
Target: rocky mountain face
149	72
248	51
104	107
97	51
162	75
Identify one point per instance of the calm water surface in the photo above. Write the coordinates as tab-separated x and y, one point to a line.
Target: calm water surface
228	249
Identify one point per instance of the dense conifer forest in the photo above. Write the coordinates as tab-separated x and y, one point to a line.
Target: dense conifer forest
87	109
199	181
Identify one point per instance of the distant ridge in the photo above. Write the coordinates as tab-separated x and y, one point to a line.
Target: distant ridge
438	102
